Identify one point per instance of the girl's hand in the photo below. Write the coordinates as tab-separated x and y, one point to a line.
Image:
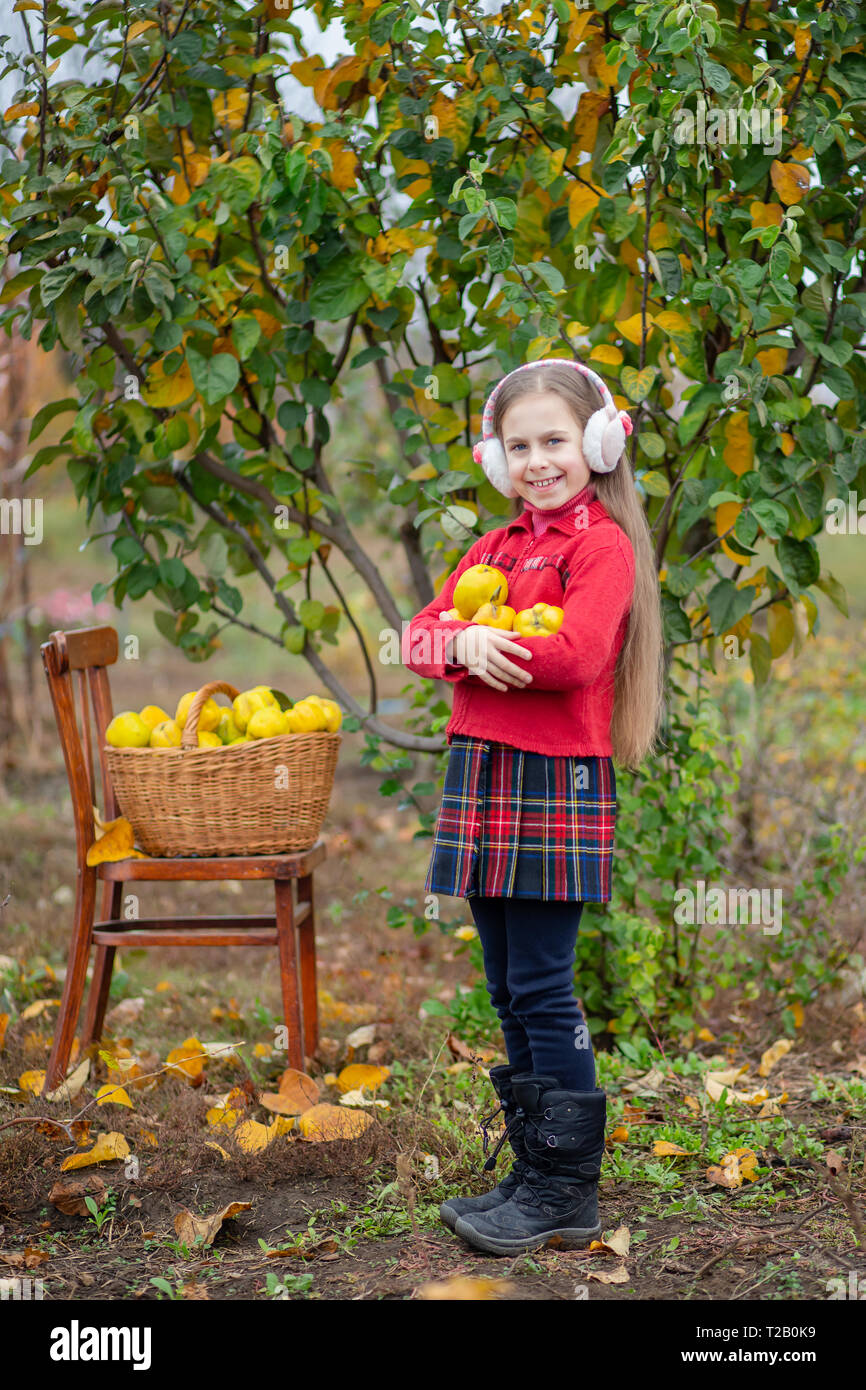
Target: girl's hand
482	650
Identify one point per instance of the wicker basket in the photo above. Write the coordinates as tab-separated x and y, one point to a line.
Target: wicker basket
266	797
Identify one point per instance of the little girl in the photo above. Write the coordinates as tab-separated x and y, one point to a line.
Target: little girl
525	831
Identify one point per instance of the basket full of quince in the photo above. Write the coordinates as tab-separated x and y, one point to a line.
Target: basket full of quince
251	777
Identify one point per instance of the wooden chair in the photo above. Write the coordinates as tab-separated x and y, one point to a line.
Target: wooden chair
87	652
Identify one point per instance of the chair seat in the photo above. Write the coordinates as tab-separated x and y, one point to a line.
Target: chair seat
234	866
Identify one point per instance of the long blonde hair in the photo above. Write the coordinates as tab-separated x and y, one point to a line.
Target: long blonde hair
638	701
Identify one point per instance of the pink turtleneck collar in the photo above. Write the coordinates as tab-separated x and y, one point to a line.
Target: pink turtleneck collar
542	516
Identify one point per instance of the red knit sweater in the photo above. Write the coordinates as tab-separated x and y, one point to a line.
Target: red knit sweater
583	562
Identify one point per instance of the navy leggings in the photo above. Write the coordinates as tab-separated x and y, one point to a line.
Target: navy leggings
529	962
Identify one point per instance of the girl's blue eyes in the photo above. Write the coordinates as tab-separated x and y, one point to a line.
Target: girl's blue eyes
554	439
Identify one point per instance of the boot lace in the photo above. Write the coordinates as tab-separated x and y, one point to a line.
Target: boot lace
510	1126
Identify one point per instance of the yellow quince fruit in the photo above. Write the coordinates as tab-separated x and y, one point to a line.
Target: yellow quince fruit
245	705
153	715
478	585
168	734
227	728
332	711
495	615
541	620
207	739
128	730
265	691
267	723
210	715
306	717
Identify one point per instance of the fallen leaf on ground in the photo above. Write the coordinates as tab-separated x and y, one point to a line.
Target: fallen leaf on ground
617	1244
735	1168
663	1148
69	1089
361	1076
189	1227
303	1251
69	1197
209	1144
774	1054
326	1122
652	1081
113	1095
34	1010
32	1081
360	1097
187	1059
107	1146
362	1037
461	1287
620	1275
124	1013
834	1161
4	1024
296	1093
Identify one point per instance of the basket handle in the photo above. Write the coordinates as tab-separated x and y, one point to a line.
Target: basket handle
190	728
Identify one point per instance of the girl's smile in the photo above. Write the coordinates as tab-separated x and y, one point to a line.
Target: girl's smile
542	442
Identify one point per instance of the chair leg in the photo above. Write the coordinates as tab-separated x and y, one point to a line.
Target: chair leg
73	986
103	965
307	935
293	1009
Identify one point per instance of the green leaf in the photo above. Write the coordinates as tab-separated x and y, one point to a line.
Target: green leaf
311	612
655	483
834	591
246	332
339	290
638	384
726	604
213	377
800	562
651	444
48	412
214	554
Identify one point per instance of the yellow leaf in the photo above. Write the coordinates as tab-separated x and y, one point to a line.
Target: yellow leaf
802	42
726	515
189	1228
70	1088
222	1115
773	1055
765	214
797	1011
619	1135
739	453
359	1074
590	109
33	1010
617	1244
705	1035
672	323
113	1095
461	1288
422	473
662	1148
772	361
148	1137
107	1147
581	200
117	843
790	181
209	1144
297	1092
253	1136
187	1058
4	1024
780	629
631	328
138	28
327	1122
21	108
162	392
32	1081
64	31
608	354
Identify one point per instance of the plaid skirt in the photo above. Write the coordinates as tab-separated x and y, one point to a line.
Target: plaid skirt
514	824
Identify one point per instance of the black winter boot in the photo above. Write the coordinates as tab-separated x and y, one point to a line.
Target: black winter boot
563	1132
501	1078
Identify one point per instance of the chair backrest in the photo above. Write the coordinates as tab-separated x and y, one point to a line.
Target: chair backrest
87	651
